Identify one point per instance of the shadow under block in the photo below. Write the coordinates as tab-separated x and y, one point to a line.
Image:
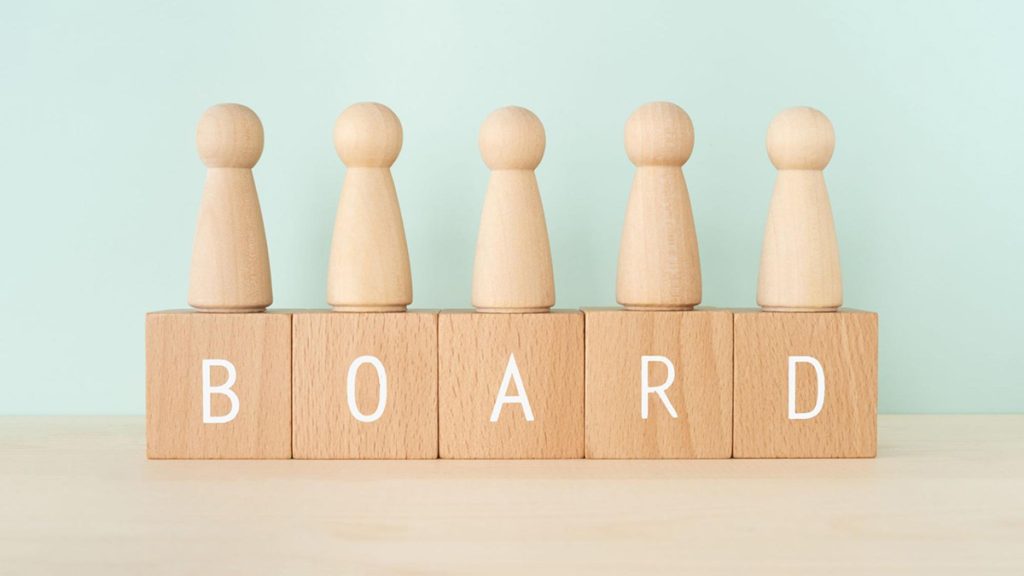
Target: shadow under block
218	385
831	352
536	355
694	348
333	350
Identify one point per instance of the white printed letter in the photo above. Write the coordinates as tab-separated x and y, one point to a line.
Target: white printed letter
511	373
224	389
819	401
645	384
382	396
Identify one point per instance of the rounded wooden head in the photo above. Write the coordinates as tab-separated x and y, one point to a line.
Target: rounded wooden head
512	138
659	134
368	134
229	136
800	139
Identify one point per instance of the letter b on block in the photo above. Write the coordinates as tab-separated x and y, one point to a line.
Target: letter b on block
218	385
225	389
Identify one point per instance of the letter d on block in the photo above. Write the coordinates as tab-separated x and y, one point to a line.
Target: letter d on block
819	402
224	389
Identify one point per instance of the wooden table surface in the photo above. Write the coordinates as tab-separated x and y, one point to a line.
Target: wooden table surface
945	496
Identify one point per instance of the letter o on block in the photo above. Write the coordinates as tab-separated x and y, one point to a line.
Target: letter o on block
382	383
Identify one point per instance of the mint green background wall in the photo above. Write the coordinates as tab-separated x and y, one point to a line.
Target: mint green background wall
101	183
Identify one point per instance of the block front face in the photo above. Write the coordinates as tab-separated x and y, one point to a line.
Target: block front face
242	361
625	348
484	357
339	359
831	359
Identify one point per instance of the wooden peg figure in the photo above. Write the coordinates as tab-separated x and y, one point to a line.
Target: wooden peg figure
512	271
659	264
369	265
800	257
230	266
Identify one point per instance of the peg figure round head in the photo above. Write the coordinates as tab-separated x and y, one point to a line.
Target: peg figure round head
368	134
512	138
800	139
659	134
229	136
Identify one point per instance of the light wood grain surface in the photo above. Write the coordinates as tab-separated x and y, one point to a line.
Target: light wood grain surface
846	345
369	263
697	344
659	263
258	346
475	352
230	262
512	270
800	257
326	346
77	496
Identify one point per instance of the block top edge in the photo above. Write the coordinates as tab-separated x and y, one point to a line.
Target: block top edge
560	311
193	312
750	311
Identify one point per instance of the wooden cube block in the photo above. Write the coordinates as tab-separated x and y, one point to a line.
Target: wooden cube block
806	384
364	385
658	384
510	385
218	385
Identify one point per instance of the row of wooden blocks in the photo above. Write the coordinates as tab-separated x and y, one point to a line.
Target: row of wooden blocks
596	383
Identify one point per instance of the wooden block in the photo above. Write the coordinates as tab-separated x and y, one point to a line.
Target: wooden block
687	358
539	356
342	406
833	352
243	360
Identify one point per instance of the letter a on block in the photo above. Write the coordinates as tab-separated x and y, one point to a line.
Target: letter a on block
511	373
224	389
646	389
819	402
382	396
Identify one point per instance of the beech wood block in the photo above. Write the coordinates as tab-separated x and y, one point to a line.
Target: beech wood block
364	385
658	384
510	385
218	385
806	384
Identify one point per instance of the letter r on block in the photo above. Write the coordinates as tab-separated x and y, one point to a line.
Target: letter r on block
646	389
